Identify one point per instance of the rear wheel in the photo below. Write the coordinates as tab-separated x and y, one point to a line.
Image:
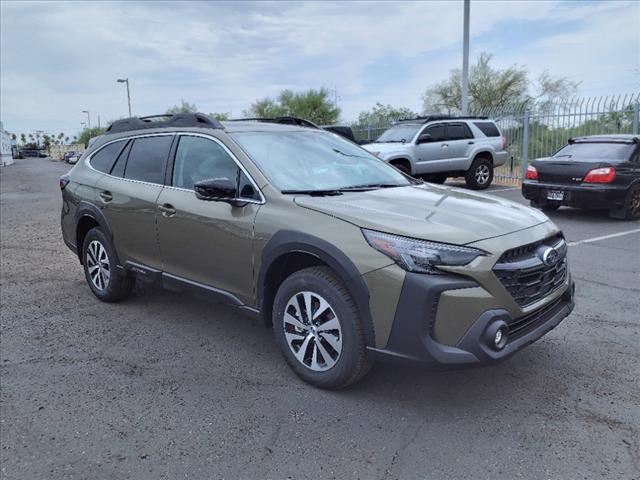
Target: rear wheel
99	261
632	204
318	329
480	175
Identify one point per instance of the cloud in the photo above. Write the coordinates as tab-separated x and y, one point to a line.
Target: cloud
224	55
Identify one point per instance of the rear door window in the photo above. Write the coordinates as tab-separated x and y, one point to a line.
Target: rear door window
147	159
458	131
104	158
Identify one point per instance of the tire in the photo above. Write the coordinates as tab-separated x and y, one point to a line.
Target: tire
99	262
480	175
632	204
347	359
403	167
440	179
550	206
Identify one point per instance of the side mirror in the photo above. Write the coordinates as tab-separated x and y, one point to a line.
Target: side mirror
425	138
216	190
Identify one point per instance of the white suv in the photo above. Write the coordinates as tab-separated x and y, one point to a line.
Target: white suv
439	146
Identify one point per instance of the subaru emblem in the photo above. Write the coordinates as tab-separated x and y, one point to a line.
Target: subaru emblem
550	256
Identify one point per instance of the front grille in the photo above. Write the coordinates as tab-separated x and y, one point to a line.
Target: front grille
523	325
524	274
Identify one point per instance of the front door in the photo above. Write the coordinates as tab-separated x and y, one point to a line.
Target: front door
433	155
207	242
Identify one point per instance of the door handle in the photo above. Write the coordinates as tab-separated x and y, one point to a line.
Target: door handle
445	145
167	210
470	143
106	196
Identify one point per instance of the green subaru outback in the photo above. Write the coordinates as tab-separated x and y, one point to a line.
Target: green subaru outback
346	257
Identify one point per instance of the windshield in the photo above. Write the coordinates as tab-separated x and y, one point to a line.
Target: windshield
400	133
596	152
315	160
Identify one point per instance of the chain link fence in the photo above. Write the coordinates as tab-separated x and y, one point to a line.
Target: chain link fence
534	131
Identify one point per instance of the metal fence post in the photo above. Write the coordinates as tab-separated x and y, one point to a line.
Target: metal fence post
525	143
636	115
369	132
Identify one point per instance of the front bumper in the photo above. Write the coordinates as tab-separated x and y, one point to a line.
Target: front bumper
592	196
413	335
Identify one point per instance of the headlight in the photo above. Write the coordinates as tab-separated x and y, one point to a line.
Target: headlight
420	255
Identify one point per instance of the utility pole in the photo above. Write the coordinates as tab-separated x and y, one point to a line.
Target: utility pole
88	121
465	59
126	80
98	122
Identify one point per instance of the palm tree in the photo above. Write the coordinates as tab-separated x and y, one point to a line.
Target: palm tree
66	139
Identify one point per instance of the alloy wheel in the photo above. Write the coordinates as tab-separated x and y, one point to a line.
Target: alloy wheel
98	265
312	330
482	174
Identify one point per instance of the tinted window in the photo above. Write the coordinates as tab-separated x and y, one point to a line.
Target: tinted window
121	162
458	131
400	133
245	187
147	159
436	132
104	158
198	159
596	152
488	128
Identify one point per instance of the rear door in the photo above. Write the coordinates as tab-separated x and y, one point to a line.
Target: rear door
202	241
128	195
460	141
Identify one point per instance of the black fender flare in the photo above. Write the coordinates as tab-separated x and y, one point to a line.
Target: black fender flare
289	241
86	209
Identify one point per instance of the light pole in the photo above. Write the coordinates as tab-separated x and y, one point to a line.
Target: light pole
88	121
126	80
465	59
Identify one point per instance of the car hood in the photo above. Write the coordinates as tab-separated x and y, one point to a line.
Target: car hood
385	149
429	212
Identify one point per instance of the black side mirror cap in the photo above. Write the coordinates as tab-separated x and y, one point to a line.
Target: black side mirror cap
216	190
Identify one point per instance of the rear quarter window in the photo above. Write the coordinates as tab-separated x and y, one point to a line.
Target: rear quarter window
104	158
147	159
488	128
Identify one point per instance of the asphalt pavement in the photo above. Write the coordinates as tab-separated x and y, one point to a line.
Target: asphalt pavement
166	386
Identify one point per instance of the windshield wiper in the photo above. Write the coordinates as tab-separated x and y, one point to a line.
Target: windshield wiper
564	155
314	193
371	186
349	154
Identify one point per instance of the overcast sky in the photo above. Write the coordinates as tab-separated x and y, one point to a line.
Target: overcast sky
58	58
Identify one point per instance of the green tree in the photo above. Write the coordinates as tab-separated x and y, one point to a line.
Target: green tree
384	114
313	105
83	137
221	116
66	140
184	107
491	87
23	138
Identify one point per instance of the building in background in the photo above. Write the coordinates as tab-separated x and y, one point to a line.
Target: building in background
6	153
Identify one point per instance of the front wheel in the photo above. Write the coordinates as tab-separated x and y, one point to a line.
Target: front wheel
318	329
480	175
631	209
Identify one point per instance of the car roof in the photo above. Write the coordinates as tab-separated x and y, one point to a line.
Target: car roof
625	137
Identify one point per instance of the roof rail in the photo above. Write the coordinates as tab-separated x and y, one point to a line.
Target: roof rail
432	117
284	120
171	120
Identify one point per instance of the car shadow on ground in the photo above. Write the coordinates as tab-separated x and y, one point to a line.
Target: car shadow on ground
235	333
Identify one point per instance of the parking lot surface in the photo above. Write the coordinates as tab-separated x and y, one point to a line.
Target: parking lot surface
164	385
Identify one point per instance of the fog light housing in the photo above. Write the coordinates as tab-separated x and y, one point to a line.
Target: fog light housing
496	335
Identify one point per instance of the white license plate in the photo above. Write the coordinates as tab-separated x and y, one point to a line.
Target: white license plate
555	195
